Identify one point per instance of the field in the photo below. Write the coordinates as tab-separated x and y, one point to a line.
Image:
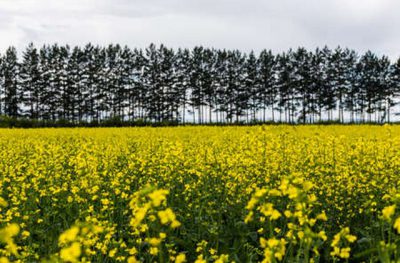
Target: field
204	194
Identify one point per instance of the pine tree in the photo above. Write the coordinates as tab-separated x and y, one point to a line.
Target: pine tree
222	95
54	90
331	91
2	91
151	71
126	93
285	82
160	104
122	81
73	85
208	77
352	80
394	86
169	100
301	63
62	82
385	91
182	81
29	76
44	83
10	75
252	83
138	92
319	83
240	100
267	90
91	77
197	96
369	84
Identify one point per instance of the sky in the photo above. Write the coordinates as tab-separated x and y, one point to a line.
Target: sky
232	24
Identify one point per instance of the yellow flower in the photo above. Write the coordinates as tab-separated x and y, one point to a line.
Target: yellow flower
307	186
342	252
132	251
175	224
180	258
251	204
69	235
388	212
273	242
25	234
293	192
397	225
322	235
12	230
249	217
275	214
158	196
139	216
345	252
275	192
154	241
335	252
322	216
105	201
263	242
112	253
132	260
351	238
166	216
200	259
222	258
3	202
268	210
153	250
287	213
312	198
71	253
6	237
273	248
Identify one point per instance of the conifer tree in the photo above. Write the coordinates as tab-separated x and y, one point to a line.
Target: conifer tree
268	89
29	82
10	79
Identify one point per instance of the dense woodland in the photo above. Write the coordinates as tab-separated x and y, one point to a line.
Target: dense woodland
201	85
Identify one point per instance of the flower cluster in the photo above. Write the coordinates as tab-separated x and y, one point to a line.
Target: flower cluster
205	194
340	243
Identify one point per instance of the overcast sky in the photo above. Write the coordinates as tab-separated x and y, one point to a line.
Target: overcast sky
233	24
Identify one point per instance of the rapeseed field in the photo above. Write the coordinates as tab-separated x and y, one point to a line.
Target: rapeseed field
200	194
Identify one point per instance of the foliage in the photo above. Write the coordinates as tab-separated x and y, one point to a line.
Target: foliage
113	84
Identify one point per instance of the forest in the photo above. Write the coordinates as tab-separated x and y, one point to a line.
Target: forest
199	85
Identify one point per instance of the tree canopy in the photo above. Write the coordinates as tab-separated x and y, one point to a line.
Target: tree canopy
199	85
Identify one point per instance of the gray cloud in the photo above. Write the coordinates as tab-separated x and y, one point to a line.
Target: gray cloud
234	24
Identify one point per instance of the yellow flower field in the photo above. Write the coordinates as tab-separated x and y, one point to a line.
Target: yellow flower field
200	194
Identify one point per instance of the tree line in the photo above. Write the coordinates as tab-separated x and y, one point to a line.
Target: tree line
201	85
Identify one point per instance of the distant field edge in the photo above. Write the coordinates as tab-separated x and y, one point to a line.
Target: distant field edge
6	122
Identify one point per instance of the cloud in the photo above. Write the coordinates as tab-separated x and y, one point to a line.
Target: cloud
234	24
